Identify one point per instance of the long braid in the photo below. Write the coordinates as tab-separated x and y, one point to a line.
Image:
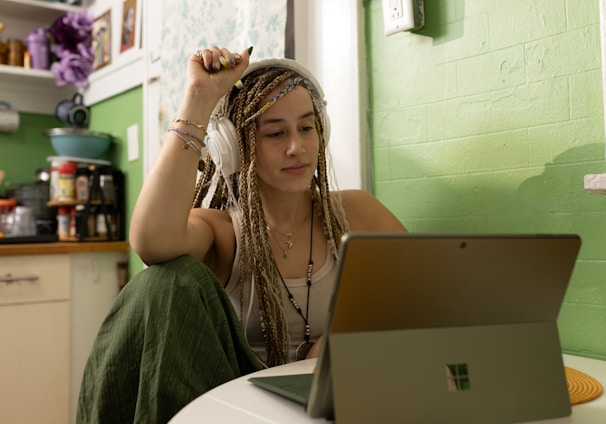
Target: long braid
256	260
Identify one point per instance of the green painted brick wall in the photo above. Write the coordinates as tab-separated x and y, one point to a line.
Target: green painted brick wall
114	116
487	120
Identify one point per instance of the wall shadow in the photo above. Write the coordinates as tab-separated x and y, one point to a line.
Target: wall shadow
443	25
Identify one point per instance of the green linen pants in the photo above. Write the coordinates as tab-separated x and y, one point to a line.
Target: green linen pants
171	335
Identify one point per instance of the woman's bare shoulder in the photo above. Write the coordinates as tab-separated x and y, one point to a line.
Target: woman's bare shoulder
365	212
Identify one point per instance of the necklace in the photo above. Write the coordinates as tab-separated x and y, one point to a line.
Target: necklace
288	244
305	346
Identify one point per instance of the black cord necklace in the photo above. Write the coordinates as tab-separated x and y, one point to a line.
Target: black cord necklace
305	346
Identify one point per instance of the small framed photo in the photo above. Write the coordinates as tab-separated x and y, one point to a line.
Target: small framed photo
130	25
102	29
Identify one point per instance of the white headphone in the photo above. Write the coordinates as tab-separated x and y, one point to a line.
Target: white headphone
222	137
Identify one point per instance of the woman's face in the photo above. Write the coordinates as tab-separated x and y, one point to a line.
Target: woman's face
287	143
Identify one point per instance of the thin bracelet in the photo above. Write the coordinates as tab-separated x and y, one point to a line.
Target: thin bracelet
187	134
189	144
190	122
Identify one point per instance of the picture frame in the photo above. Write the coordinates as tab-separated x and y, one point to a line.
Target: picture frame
102	35
129	23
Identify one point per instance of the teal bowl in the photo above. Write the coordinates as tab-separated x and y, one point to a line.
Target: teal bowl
79	142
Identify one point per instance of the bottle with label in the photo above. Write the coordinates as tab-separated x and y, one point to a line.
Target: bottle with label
72	222
80	212
63	218
82	181
54	178
106	184
101	225
66	187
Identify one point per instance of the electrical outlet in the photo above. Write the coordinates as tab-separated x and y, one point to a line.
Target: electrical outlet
402	15
395	7
595	183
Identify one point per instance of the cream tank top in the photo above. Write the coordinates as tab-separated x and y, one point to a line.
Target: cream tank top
323	281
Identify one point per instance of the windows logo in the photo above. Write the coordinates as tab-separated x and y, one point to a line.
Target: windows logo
457	376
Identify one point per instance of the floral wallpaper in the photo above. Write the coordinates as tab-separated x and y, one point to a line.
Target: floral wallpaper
236	24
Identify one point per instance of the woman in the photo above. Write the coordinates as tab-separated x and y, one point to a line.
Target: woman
264	235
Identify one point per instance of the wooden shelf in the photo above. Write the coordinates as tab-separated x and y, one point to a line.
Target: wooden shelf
70	203
84	239
36	10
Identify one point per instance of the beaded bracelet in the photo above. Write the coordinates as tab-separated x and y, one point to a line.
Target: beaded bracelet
187	134
187	144
190	122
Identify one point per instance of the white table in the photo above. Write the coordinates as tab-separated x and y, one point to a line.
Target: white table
238	401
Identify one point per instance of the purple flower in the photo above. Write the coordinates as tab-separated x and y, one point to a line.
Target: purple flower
72	69
72	46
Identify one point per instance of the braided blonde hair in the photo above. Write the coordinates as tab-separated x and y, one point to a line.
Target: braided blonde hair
256	259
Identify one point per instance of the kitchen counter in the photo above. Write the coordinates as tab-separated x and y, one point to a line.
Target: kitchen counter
63	247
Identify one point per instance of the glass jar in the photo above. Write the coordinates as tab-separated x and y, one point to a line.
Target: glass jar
6	208
23	222
15	52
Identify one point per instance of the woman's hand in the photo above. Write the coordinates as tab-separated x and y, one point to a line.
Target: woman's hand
314	352
215	70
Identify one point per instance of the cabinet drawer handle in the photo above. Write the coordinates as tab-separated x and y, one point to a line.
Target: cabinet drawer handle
12	278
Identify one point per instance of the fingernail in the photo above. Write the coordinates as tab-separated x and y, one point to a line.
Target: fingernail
250	49
232	61
217	66
223	61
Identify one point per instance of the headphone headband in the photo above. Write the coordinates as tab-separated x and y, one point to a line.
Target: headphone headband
291	65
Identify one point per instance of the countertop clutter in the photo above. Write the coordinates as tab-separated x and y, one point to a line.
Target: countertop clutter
74	200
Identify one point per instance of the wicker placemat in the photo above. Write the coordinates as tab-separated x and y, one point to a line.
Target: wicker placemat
581	387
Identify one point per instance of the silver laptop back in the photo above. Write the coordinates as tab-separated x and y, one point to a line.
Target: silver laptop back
446	328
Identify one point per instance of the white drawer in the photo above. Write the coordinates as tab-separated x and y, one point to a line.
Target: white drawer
34	278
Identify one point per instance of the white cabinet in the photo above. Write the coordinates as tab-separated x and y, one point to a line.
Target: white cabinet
35	91
47	327
30	90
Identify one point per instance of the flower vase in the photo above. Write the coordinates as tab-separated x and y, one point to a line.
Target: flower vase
38	47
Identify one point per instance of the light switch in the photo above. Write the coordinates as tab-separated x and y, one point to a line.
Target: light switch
132	136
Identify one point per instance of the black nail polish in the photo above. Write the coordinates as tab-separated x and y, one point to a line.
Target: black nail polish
250	49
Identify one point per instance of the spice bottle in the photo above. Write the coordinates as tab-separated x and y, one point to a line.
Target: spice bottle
101	225
106	184
80	223
54	178
67	175
72	222
82	184
63	218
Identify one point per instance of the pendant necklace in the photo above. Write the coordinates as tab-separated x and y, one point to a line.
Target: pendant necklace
305	346
289	243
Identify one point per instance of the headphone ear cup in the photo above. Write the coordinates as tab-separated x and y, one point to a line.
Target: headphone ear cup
222	144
